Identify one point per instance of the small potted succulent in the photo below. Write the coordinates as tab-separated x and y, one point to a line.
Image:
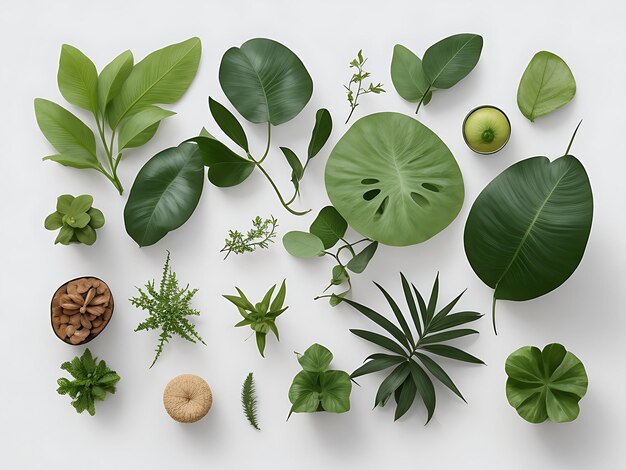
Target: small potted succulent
76	219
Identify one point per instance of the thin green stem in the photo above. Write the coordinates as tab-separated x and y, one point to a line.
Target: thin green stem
493	314
276	190
572	139
419	105
267	148
108	149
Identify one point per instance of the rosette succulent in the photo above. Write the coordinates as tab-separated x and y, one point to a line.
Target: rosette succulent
76	219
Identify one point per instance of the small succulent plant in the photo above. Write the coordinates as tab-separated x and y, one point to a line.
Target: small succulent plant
76	219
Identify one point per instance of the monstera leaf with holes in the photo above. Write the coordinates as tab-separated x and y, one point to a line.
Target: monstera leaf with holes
394	180
527	231
412	348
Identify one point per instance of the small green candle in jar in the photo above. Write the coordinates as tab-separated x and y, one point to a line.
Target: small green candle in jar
486	129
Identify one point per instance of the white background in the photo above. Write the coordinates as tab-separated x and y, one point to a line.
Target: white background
39	429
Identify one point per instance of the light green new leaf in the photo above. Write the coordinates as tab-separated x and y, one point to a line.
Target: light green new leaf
545	384
450	60
527	230
547	84
74	141
86	235
54	221
302	244
316	358
136	129
162	77
329	226
265	81
393	180
78	79
65	235
97	218
164	194
407	75
112	78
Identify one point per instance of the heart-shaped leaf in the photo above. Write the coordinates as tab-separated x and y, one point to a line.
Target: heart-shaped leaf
407	75
164	194
321	132
302	244
329	226
265	81
450	60
336	388
547	84
228	123
545	384
527	230
78	79
394	180
316	358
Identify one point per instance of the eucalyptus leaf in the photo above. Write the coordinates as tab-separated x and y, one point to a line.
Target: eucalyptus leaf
321	132
450	60
74	141
303	244
527	231
136	129
164	194
265	81
407	75
228	123
112	78
394	180
546	85
545	384
78	79
162	77
358	263
329	226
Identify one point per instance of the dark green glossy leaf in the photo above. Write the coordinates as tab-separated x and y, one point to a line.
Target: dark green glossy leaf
398	314
304	394
407	74
425	388
381	321
382	362
405	396
329	226
448	335
450	60
228	123
453	320
336	388
527	231
410	301
439	373
164	194
545	384
391	383
379	340
297	171
316	358
452	353
359	262
265	81
321	132
226	168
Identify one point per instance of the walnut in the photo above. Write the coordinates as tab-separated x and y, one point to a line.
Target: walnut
81	309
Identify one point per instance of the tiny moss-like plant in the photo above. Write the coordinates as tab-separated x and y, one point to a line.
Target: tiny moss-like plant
76	219
92	381
168	309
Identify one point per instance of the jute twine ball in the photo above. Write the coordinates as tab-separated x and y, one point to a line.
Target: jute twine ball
187	398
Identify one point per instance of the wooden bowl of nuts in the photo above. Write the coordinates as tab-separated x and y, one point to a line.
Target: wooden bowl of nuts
81	309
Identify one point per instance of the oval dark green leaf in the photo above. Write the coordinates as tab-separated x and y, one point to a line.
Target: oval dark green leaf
265	81
329	226
407	75
164	194
321	132
394	180
228	123
450	60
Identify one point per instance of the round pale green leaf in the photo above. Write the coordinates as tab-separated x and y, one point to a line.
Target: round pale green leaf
302	244
547	84
545	384
54	221
164	194
97	218
336	388
329	226
527	230
394	180
265	81
316	358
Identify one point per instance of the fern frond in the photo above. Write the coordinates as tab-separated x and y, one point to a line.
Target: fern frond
249	401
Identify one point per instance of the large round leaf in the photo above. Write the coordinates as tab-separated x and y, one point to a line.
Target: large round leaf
394	180
164	194
527	230
265	81
545	384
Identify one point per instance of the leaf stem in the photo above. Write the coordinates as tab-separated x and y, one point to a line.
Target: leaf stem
419	105
276	190
493	313
269	138
572	139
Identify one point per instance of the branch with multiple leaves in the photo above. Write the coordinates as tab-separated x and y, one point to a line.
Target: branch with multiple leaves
328	228
92	381
249	401
357	80
168	309
433	328
267	83
122	99
261	317
261	234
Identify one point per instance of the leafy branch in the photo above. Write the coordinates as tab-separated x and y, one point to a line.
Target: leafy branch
249	401
357	80
260	236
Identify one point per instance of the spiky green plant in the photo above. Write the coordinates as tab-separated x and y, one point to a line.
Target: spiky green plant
249	401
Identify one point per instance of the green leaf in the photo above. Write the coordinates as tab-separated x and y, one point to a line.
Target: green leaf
304	394
86	235
54	221
411	304
112	78
447	335
546	85
226	168
228	123
265	81
297	171
80	205
74	141
424	387
64	202
379	340
279	300
381	362
316	358
359	262
527	231
452	353
453	320
336	388
545	384
340	275
329	226
450	60
391	383
96	218
65	235
303	244
439	373
405	398
78	79
394	180
162	77
78	221
260	342
164	194
407	75
137	129
399	316
321	132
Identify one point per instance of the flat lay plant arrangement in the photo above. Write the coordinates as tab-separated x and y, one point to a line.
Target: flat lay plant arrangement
389	178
